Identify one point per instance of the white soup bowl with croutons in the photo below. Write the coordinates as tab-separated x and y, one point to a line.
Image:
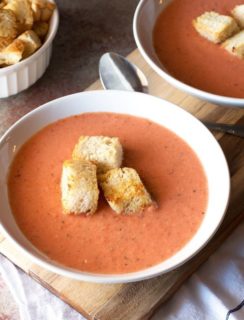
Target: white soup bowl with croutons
149	111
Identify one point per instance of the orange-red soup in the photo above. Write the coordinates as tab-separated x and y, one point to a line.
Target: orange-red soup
193	59
107	242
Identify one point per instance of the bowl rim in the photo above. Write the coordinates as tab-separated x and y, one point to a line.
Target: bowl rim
54	23
124	277
218	99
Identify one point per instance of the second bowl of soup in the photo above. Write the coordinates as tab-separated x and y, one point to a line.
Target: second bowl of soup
166	37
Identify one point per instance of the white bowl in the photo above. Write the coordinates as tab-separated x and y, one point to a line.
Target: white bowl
20	76
138	104
145	17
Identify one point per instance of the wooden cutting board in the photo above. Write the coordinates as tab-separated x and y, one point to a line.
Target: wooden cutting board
136	301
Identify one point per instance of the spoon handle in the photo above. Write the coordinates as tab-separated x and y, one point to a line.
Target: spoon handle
237	130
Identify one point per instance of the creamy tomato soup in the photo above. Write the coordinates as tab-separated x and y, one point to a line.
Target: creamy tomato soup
106	242
193	59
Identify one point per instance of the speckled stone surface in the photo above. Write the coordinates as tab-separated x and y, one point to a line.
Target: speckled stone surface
87	29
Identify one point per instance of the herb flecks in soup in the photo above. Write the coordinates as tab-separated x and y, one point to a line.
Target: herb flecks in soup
193	59
106	242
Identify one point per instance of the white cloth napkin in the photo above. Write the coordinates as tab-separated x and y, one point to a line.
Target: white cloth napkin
215	289
35	302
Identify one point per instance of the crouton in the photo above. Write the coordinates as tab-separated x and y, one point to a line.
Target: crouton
124	190
40	3
105	152
31	42
4	42
8	24
47	12
36	10
79	187
12	54
42	9
41	28
235	45
23	13
215	27
238	14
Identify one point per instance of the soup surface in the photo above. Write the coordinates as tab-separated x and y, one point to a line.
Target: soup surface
191	58
106	242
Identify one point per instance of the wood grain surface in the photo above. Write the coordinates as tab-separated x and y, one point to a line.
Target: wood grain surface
137	301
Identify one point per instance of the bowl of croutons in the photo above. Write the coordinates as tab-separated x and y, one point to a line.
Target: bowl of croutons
27	30
98	187
196	46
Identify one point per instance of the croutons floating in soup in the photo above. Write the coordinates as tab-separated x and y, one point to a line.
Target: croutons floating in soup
108	242
195	59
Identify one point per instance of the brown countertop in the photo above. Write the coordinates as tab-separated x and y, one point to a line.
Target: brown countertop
87	29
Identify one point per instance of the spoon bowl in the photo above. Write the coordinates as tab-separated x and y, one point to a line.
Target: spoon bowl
118	73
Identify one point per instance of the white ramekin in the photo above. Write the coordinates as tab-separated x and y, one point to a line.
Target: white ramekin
145	17
22	75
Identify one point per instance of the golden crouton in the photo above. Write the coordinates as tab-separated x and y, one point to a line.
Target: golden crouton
235	45
3	3
47	11
41	28
31	42
79	187
23	13
39	3
105	152
36	10
238	14
4	42
13	53
215	27
42	9
8	24
124	190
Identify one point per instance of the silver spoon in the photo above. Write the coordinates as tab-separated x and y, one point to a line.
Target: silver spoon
117	73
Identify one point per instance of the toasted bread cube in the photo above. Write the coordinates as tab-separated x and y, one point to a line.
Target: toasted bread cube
238	14
235	45
36	10
4	42
40	3
23	13
79	187
47	11
105	152
215	27
13	53
3	3
42	9
41	28
8	24
124	190
31	42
